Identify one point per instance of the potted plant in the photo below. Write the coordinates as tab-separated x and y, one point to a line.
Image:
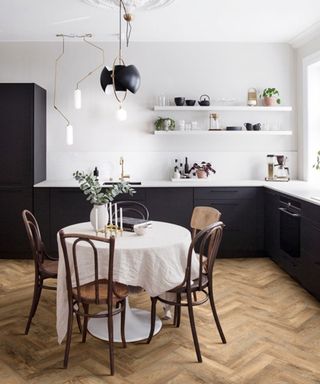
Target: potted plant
271	97
203	170
164	124
89	185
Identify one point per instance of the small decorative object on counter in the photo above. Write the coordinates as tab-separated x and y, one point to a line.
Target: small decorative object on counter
96	172
271	97
203	170
252	97
186	167
164	124
214	122
204	101
89	185
176	173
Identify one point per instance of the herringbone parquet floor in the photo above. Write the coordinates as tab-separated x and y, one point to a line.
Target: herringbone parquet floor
271	324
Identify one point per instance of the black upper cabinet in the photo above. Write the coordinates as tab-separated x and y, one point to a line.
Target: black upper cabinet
22	159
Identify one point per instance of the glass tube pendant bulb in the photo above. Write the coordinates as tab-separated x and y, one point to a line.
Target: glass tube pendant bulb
77	99
122	114
69	134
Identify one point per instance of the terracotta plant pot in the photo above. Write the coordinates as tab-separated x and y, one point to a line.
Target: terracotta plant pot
270	101
201	174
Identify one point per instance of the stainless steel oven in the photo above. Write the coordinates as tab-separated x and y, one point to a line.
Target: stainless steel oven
290	217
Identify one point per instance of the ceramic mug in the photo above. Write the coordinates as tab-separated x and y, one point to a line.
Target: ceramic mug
257	127
248	126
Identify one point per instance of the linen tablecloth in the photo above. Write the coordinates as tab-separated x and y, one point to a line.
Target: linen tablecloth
155	261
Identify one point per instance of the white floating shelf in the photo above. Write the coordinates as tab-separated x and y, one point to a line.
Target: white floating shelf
220	108
226	133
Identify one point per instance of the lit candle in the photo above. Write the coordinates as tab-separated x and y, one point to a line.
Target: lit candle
121	220
96	211
110	213
116	214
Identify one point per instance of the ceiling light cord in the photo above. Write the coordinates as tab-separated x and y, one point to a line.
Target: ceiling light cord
55	82
96	68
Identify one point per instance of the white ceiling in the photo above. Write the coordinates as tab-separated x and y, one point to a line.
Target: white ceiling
184	20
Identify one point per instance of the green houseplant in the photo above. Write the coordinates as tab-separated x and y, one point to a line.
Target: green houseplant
90	186
164	124
271	97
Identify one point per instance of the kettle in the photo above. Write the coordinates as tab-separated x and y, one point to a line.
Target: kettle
204	101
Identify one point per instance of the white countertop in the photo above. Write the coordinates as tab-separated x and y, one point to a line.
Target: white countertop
295	188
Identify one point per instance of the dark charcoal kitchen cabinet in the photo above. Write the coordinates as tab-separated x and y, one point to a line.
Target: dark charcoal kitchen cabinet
56	208
242	213
173	205
271	224
22	159
309	268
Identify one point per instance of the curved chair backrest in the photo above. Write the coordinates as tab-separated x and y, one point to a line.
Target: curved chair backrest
34	236
134	209
202	217
207	241
72	265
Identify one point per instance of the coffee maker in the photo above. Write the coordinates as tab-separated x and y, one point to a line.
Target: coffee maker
276	168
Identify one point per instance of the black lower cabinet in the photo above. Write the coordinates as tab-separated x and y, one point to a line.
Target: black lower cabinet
173	205
271	224
13	237
309	267
242	213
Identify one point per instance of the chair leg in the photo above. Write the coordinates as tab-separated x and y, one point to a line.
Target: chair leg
193	327
35	301
85	322
178	309
123	323
153	318
215	315
78	318
195	296
69	334
110	333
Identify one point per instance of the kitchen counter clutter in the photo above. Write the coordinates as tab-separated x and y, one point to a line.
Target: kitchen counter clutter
295	188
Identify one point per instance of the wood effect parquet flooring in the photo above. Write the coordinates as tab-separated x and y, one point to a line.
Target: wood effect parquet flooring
272	327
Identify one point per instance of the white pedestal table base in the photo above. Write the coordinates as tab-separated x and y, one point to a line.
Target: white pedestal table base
137	326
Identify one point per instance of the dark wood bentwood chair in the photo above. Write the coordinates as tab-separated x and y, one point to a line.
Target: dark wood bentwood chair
134	209
46	267
208	241
202	217
99	291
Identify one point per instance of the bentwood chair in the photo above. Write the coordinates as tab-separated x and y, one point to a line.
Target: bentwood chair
134	209
210	238
45	266
202	217
99	291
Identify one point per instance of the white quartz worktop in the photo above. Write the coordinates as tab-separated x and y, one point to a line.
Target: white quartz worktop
295	188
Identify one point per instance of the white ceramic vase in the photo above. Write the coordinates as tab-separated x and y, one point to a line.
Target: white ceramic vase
99	216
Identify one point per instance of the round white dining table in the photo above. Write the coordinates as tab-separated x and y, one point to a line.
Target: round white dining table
155	261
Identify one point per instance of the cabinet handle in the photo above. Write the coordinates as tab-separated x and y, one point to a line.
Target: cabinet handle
224	191
289	213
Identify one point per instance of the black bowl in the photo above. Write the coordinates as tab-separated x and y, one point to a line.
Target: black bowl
190	103
179	101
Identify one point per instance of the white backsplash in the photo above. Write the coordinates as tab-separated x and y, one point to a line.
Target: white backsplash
143	166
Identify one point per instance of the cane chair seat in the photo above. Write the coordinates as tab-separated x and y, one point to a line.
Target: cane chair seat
88	292
49	267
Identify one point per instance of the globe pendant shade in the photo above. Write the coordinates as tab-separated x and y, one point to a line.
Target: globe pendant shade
129	78
106	78
126	78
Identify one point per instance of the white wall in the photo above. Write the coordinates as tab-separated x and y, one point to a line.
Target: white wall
305	55
222	70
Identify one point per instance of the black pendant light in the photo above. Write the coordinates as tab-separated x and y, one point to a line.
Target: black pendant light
121	77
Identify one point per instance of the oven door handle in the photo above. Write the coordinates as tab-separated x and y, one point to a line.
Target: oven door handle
289	213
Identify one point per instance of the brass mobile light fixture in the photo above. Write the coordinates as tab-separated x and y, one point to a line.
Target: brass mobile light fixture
122	78
77	93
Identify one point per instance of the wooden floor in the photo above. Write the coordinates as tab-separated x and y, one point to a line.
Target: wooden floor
271	324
